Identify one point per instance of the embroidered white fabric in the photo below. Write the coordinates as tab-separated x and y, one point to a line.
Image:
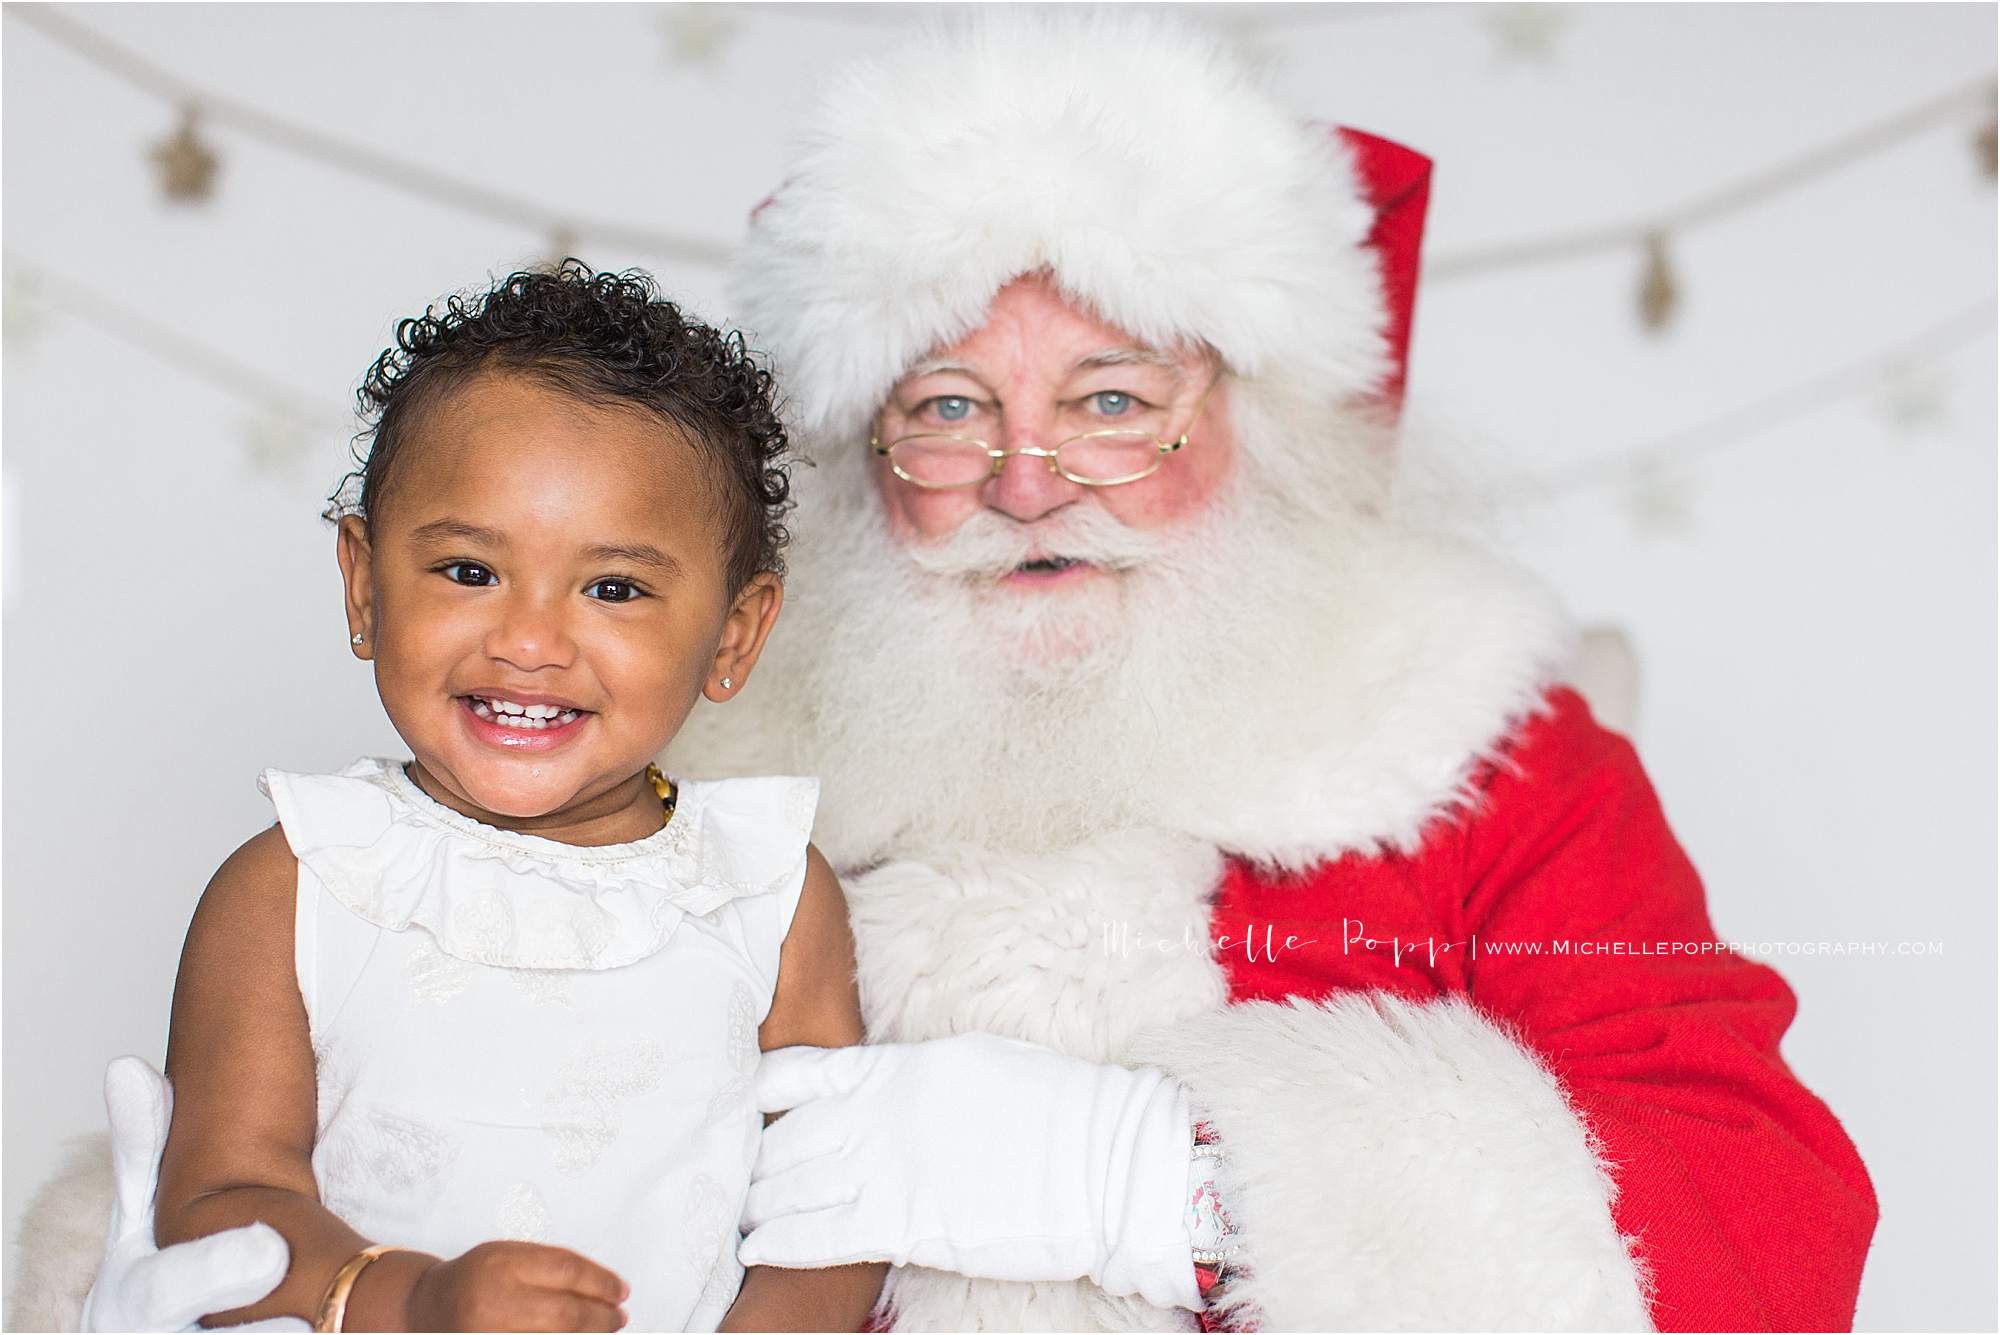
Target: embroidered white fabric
516	1038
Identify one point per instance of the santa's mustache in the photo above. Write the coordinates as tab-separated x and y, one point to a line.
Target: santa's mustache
989	545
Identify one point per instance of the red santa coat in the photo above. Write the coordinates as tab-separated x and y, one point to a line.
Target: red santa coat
1744	1203
1485	1139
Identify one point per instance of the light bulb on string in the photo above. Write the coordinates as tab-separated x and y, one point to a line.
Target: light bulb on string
275	440
23	312
187	165
1660	499
563	243
696	34
1916	396
1526	32
1659	292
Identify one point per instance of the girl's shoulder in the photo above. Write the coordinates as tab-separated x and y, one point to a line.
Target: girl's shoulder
396	857
247	905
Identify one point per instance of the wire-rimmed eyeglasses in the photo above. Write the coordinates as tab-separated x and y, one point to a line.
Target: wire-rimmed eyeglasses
1108	458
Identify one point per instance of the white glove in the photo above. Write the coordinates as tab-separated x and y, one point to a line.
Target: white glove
140	1287
979	1155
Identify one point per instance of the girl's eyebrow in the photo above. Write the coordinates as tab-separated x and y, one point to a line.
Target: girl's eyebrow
634	553
439	530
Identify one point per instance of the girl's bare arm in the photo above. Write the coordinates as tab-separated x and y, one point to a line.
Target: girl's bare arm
240	1146
818	1005
240	1058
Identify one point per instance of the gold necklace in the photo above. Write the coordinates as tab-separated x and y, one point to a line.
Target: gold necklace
665	788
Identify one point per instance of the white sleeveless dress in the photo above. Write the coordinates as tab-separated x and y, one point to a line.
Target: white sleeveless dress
516	1038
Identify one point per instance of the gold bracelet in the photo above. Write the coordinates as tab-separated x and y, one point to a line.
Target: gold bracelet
333	1307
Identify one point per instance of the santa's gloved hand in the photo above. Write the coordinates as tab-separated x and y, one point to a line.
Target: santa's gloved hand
139	1286
975	1154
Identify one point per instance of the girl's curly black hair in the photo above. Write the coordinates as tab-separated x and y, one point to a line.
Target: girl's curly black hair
605	338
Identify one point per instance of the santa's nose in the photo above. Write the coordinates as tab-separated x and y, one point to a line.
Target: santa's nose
1027	487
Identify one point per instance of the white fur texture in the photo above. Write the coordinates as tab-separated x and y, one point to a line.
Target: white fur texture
61	1240
1137	159
1300	688
1079	950
1402	1166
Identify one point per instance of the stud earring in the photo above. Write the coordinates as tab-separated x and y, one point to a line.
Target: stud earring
356	639
727	683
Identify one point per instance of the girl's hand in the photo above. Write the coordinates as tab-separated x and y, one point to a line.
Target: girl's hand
516	1286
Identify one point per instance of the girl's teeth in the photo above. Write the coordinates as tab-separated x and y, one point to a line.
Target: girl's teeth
529	718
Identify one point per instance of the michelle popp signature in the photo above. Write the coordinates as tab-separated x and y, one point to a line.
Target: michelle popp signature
1264	942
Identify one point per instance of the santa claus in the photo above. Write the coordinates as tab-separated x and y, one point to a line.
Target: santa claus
1254	926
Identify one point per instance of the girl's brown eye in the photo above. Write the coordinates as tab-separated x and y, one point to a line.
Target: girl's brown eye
469	573
615	591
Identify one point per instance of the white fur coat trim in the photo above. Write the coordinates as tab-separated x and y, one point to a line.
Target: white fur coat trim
1403	1166
1079	950
1136	158
1443	651
61	1239
1394	1165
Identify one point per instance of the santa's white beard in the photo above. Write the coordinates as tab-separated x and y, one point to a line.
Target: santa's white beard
938	704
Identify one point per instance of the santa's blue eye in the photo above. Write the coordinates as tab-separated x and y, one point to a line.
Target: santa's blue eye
952	408
1112	403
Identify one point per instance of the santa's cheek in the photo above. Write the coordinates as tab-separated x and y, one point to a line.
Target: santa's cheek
915	515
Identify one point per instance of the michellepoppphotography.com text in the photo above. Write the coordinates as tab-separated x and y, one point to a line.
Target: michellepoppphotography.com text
1267	942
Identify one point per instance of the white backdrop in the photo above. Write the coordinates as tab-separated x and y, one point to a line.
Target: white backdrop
1812	599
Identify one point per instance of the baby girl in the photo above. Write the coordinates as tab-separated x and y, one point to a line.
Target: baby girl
475	1030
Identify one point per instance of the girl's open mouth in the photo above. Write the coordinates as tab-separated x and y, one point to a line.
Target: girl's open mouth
517	726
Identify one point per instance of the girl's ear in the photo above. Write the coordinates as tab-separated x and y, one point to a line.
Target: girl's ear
748	625
356	563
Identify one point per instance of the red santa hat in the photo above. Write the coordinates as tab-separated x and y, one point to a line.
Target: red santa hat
1134	158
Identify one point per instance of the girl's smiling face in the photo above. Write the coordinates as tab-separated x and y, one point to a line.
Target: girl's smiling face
535	554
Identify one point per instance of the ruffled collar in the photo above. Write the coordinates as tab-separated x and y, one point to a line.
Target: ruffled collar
397	857
396	779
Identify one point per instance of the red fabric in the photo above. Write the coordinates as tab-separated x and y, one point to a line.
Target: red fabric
1751	1208
1397	181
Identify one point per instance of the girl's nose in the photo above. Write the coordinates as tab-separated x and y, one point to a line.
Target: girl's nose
531	634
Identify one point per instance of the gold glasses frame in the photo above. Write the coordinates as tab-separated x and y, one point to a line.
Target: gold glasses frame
1000	456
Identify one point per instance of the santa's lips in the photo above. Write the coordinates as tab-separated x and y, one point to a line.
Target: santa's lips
1047	570
515	726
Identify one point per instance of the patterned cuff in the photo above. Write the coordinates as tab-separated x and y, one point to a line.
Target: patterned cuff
1210	1230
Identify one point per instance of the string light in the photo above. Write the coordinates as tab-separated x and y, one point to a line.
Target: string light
274	406
1658	292
697	34
187	164
1650	462
188	167
1526	32
356	159
23	313
1915	396
1723	201
535	218
1660	498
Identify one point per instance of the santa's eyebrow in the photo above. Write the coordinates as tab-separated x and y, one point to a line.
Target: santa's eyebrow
1126	356
935	367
